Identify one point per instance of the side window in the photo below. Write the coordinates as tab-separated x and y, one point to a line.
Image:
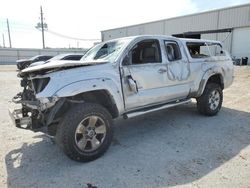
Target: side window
44	58
74	57
216	49
198	50
67	57
36	59
172	50
147	51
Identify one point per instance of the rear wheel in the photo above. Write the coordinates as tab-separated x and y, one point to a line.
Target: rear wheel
209	103
85	133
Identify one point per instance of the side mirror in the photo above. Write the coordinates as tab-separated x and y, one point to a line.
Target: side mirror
132	84
125	61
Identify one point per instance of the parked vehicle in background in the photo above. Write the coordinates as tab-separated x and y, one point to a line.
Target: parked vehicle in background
76	101
24	63
72	57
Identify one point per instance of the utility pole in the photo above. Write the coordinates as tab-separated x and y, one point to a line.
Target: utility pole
9	33
3	41
41	25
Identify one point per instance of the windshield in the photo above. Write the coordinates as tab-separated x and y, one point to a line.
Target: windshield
58	57
108	51
33	58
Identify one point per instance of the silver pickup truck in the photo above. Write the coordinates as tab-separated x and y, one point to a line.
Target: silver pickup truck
76	101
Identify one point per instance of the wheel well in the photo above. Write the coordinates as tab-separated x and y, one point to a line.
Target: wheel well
101	97
217	78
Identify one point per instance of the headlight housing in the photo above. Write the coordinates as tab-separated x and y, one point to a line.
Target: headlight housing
40	83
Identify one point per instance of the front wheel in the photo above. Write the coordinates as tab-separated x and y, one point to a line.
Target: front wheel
85	132
209	103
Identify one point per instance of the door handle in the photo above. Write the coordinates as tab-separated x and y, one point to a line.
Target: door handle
161	71
132	84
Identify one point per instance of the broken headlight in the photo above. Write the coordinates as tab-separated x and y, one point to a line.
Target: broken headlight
40	83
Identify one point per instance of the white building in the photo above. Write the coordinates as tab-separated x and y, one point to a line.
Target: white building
230	25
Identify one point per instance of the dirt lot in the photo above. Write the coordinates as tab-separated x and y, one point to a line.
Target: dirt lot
174	147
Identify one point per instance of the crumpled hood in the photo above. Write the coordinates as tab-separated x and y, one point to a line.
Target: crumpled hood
60	64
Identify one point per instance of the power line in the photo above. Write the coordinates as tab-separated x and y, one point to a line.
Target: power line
69	37
25	28
16	24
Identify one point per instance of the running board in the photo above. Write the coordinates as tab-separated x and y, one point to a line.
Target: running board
153	109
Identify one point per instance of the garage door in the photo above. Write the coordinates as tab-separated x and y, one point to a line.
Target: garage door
241	43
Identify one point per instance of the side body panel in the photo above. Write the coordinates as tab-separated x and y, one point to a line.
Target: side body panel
202	69
83	79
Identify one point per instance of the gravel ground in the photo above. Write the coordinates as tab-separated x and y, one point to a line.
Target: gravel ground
174	147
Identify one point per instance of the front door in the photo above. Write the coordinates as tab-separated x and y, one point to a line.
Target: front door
146	72
146	78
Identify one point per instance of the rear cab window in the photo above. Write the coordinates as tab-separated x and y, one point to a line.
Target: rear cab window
206	50
216	50
198	50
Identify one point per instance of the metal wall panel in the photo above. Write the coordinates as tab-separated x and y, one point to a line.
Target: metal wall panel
241	43
135	30
117	33
206	21
226	39
209	36
155	28
234	17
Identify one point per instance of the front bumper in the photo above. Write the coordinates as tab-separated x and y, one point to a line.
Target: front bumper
37	115
18	119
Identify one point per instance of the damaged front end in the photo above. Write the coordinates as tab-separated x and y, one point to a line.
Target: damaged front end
40	109
37	114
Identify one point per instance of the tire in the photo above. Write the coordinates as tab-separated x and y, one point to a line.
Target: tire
85	133
209	103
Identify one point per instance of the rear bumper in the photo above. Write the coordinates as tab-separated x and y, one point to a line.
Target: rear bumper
18	119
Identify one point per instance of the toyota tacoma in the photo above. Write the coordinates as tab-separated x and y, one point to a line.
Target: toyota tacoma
76	101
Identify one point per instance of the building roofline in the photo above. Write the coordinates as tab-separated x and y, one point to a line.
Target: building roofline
183	16
163	37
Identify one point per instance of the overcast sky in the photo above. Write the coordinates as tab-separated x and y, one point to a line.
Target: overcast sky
86	18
